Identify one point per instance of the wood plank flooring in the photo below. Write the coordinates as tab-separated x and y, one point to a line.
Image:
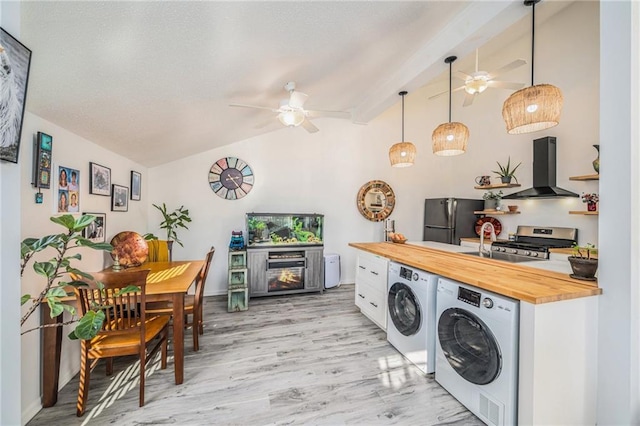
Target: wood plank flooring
300	359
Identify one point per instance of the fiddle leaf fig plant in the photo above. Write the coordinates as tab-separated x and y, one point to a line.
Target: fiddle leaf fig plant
56	272
174	220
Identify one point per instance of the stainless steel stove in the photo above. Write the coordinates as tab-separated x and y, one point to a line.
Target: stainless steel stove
534	242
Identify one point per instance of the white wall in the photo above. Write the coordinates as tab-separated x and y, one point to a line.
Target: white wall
9	264
322	172
619	323
72	151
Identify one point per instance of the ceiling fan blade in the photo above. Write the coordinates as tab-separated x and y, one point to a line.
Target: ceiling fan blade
505	85
309	126
297	100
437	95
253	106
510	66
331	114
462	75
468	99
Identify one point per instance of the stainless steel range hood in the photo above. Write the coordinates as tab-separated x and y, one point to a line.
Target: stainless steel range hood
544	173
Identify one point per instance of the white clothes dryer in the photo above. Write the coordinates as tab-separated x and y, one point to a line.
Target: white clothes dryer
411	314
477	350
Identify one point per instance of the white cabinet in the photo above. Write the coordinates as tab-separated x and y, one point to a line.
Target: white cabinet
371	287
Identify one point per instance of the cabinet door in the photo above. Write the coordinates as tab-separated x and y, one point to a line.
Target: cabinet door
257	263
315	269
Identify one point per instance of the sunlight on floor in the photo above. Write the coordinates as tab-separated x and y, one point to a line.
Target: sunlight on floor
123	382
395	371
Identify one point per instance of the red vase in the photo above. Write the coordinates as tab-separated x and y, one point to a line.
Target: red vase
591	207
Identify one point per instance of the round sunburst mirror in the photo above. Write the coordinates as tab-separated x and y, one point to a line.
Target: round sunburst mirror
376	200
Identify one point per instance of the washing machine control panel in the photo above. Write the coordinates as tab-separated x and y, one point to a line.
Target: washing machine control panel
408	274
469	296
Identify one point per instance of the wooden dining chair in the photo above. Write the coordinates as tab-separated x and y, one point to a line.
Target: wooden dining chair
126	330
158	251
192	303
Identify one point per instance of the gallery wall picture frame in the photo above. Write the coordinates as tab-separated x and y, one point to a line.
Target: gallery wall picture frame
119	198
42	151
96	231
99	179
136	185
68	195
15	61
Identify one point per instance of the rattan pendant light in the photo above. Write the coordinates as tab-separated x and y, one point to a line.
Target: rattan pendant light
533	108
402	154
450	138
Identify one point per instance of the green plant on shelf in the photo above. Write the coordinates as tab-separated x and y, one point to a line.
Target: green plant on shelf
507	172
584	252
490	195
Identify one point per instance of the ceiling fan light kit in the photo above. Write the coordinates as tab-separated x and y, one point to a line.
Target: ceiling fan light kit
291	118
533	108
402	154
450	138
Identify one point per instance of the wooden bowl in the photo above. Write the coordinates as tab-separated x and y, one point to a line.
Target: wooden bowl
513	209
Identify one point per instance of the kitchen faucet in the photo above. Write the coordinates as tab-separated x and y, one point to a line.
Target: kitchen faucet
481	250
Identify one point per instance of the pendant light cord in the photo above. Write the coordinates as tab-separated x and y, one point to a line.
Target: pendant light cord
533	34
450	66
402	118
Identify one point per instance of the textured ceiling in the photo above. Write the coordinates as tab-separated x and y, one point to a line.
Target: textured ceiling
153	80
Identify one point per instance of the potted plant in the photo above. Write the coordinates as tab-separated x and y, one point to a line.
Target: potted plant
591	200
492	200
55	271
506	173
172	221
583	264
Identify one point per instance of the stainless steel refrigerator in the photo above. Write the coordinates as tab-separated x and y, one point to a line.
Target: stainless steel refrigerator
448	219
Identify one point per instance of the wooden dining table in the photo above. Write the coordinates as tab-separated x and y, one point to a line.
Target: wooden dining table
168	281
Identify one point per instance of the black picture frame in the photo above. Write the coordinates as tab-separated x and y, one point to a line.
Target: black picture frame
15	62
42	151
96	231
119	198
99	180
136	185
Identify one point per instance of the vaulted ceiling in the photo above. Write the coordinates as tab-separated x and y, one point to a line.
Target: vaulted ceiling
153	80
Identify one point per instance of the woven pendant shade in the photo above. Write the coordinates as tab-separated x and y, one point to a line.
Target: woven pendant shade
402	154
536	107
450	139
532	108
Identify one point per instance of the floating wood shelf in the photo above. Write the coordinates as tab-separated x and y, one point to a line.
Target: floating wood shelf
584	212
595	176
494	212
497	185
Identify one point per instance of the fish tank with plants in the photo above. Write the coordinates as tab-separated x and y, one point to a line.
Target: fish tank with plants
283	229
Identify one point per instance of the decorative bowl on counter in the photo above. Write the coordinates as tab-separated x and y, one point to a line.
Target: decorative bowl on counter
397	238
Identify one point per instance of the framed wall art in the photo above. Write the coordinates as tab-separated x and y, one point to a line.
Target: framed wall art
136	185
97	229
99	179
119	198
68	195
42	149
15	60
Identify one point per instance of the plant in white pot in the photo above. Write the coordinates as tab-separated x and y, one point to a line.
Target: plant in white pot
583	263
506	173
492	200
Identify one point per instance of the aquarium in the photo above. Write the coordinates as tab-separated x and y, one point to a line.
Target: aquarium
282	229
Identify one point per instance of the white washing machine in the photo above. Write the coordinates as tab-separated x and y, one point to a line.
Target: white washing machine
477	350
411	314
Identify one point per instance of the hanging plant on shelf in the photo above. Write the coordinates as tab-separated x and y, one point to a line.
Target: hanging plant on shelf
506	173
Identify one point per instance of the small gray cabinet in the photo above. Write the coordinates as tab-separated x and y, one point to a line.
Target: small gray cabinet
315	269
257	265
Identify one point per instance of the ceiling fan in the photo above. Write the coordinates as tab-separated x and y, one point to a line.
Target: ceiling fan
478	81
291	112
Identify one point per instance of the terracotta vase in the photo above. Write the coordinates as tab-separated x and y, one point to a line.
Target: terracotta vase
592	207
596	162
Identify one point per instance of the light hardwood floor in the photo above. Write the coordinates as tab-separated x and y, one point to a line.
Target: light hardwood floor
303	359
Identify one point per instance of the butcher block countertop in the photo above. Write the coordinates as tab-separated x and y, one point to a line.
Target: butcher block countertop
524	283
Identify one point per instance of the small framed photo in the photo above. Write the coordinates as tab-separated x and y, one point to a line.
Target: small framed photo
99	180
97	229
136	185
119	198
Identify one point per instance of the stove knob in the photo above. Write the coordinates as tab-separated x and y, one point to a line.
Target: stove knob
487	303
514	251
535	254
501	249
527	253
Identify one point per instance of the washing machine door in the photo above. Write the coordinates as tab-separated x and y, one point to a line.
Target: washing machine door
404	309
469	345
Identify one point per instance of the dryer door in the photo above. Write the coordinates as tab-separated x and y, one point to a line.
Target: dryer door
470	347
404	309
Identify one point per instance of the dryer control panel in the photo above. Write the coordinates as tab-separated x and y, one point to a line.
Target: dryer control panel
469	296
406	273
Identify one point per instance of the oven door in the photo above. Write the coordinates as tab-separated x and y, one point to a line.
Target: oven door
469	346
404	309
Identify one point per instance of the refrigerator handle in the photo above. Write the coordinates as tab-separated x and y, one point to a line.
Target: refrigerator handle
452	204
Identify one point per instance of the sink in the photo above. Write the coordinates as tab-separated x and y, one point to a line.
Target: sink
506	257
